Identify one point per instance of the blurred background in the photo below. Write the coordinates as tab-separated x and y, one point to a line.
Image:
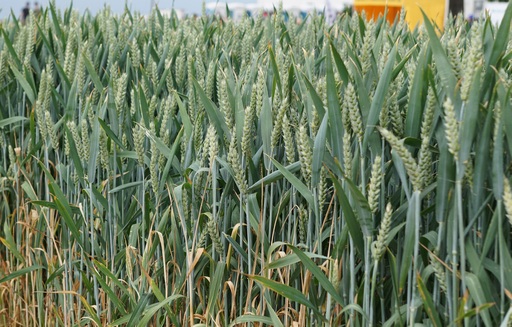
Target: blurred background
299	8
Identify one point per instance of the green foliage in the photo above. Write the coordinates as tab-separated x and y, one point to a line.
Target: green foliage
156	171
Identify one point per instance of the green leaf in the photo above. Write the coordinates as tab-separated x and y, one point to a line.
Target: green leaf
92	312
213	112
104	270
215	287
399	67
291	259
11	120
153	309
249	318
112	296
137	314
46	42
140	98
110	133
318	152
12	51
334	111
418	94
274	176
185	119
362	207
507	318
318	273
297	183
428	304
444	67
19	273
350	218
340	66
75	158
380	96
475	290
362	92
273	316
94	149
499	46
125	186
482	160
275	69
469	121
266	129
497	160
63	206
56	25
410	238
317	101
24	84
445	177
160	297
10	244
56	273
288	292
92	73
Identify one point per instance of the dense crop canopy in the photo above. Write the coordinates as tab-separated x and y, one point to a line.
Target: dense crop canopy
156	171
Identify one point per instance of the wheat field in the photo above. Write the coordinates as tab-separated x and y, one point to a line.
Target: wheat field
269	171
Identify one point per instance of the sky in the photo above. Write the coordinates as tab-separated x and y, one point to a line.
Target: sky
117	6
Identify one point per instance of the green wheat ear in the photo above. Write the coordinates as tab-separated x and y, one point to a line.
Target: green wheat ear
425	155
214	236
52	129
154	167
439	271
86	144
234	161
104	153
507	199
247	135
139	137
305	153
289	144
410	164
379	246
452	128
2	141
375	185
356	123
12	160
347	154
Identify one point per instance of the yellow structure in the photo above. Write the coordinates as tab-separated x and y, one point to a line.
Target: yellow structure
435	9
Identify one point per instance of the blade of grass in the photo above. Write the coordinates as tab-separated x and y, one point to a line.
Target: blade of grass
320	276
333	111
297	183
213	112
468	127
318	152
444	67
20	272
349	216
417	97
428	304
379	96
11	120
288	292
151	310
